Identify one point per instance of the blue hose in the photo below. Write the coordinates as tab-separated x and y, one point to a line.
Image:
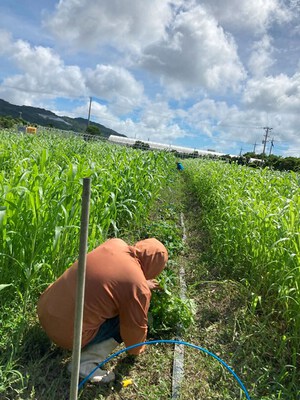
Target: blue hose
173	342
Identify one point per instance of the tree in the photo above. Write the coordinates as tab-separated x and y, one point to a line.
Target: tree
7	122
93	130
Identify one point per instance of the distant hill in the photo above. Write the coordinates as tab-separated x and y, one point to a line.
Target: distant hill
43	117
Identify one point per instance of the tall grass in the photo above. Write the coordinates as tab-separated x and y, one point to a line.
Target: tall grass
40	191
41	186
253	220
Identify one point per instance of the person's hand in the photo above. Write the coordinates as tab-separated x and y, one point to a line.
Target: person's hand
153	284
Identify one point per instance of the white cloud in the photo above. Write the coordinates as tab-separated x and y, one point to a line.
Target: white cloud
196	55
275	103
162	66
217	118
252	16
5	42
156	122
125	24
279	94
164	133
261	57
115	84
99	113
45	72
42	74
158	114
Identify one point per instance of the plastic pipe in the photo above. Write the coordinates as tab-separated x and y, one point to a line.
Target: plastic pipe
173	342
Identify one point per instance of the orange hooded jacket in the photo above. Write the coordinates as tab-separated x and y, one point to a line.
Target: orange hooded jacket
115	284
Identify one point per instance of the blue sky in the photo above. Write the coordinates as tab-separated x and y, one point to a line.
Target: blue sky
206	74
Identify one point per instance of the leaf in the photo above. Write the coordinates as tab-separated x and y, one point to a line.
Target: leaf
2	214
4	285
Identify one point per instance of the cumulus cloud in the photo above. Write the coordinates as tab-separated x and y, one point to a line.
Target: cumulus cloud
252	16
197	53
164	133
5	42
157	114
225	123
157	122
227	127
176	40
43	74
125	24
271	101
279	93
261	57
156	66
115	84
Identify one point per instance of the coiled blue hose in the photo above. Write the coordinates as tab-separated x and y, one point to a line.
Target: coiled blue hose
173	342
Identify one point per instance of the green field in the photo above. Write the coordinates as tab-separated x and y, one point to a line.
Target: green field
252	219
241	259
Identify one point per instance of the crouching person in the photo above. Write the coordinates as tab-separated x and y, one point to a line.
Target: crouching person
118	284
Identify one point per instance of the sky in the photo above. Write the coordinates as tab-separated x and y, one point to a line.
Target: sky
222	75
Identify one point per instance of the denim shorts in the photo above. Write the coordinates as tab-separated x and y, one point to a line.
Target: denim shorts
109	329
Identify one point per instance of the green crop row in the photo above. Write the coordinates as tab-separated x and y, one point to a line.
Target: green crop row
40	192
253	220
40	210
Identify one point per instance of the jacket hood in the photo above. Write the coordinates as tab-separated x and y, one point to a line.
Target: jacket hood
152	255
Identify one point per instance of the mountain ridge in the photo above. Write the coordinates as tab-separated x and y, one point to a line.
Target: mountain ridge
43	117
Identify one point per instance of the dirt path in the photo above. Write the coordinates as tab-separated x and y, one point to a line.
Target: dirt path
218	304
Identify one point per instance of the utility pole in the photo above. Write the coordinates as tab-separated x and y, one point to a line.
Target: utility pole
88	122
272	145
241	151
254	147
265	140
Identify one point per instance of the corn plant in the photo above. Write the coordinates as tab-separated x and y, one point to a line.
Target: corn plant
253	220
40	207
40	188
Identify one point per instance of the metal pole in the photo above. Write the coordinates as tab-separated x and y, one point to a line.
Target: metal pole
89	116
85	205
271	146
264	142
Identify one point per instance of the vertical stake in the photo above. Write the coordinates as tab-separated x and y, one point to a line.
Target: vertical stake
85	205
